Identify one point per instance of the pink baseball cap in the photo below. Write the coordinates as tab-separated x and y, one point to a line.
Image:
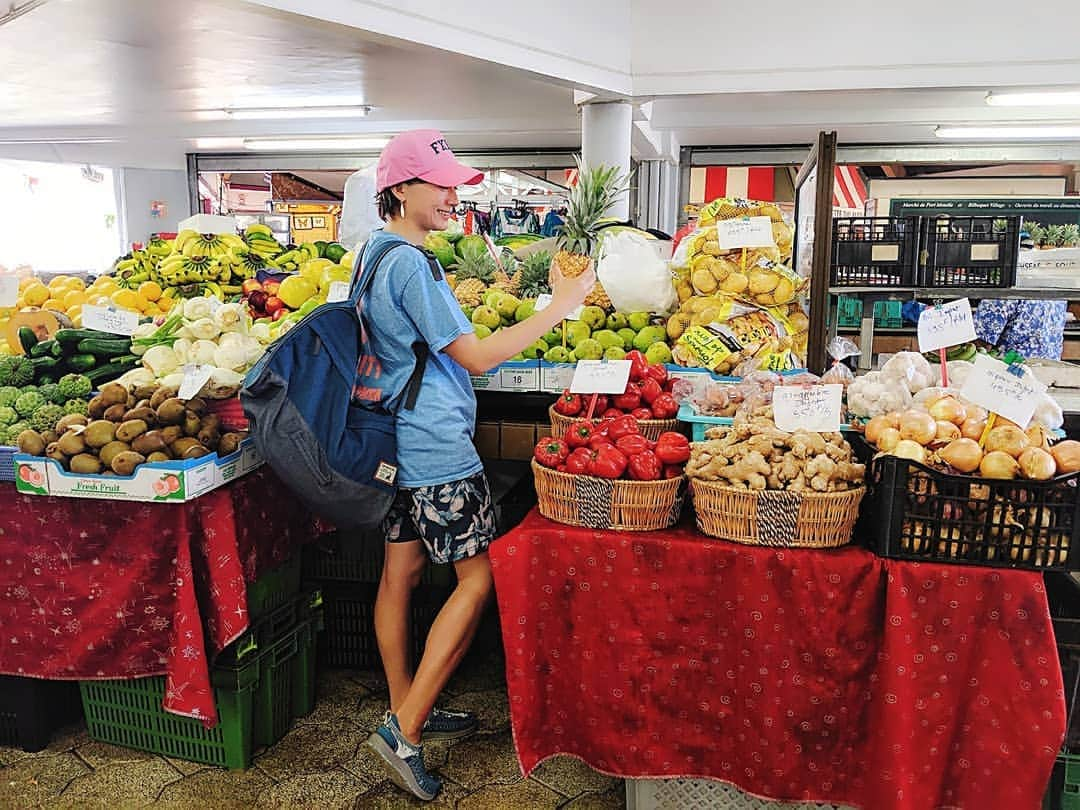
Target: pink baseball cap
422	154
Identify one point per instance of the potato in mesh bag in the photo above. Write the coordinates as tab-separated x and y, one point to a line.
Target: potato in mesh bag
733	207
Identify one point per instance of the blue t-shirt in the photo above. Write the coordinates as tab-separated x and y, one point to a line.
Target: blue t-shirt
405	305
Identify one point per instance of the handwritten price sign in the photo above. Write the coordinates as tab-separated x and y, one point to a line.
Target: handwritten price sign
195	377
947	325
812	407
106	319
993	386
745	232
600	377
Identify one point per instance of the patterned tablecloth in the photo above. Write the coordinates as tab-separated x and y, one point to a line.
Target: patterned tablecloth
105	589
814	675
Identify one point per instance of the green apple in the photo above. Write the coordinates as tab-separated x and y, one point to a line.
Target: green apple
487	316
525	310
589	349
535	350
481	331
557	354
627	334
577	331
616	321
658	354
595	317
614	353
607	338
648	336
638	320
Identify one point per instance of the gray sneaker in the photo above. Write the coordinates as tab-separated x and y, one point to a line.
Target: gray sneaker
404	761
444	724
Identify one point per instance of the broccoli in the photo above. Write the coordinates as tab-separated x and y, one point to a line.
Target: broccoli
28	402
51	392
8	395
75	386
46	417
77	406
7	416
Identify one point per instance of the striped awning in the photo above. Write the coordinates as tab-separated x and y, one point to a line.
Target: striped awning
849	189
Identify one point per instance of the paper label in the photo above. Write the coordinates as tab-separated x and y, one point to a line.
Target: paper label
110	319
9	291
991	385
195	377
600	377
985	253
709	345
543	301
745	232
555	377
885	253
339	291
947	325
519	379
808	407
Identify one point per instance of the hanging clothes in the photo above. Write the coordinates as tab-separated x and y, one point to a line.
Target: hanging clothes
514	221
553	223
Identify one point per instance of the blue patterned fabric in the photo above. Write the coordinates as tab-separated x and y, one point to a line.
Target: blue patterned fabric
1031	328
455	521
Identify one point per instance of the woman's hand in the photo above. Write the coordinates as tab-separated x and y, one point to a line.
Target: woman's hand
567	294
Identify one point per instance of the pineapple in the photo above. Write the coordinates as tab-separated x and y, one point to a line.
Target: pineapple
595	192
534	274
469	292
508	284
472	278
598	297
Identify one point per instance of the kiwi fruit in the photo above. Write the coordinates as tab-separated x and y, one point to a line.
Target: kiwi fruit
97	434
146	413
111	451
148	443
128	431
188	447
114	394
209	437
159	456
143	403
70	420
212	420
171	433
50	436
197	404
170	411
192	424
85	464
145	391
229	444
54	452
31	442
126	462
72	443
96	407
115	413
160	395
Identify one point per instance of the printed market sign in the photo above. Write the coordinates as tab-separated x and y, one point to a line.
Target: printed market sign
1046	210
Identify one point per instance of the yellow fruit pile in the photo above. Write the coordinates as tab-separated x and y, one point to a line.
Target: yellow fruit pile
67	295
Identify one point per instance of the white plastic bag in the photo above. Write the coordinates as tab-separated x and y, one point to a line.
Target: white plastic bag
634	277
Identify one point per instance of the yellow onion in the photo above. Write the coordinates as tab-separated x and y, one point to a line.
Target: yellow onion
893	418
875	426
1008	439
1038	436
998	464
1036	464
887	439
973	428
1067	456
975	412
948	409
907	448
962	454
919	426
946	431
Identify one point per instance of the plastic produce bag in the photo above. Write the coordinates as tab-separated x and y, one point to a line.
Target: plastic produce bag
634	277
840	348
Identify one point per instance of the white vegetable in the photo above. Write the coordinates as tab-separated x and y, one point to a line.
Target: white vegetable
261	332
959	371
231	340
1048	413
229	357
873	395
182	350
135	378
231	318
223	384
144	330
161	360
197	308
202	352
911	369
204	329
174	380
253	350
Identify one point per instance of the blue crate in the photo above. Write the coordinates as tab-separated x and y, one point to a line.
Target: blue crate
7	463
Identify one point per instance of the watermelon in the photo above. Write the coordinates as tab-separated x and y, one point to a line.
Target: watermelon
471	246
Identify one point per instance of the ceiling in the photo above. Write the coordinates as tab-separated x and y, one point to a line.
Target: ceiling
149	78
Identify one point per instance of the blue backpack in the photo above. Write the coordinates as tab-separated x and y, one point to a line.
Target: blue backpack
338	456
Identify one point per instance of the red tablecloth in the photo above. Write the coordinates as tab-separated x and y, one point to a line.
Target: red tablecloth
815	675
105	589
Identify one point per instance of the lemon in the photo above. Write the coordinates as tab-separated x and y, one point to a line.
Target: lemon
55	304
58	282
126	299
76	284
74	311
150	290
36	294
26	281
73	298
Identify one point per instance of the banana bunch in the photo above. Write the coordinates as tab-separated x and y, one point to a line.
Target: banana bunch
158	247
139	266
290	260
195	245
259	239
178	269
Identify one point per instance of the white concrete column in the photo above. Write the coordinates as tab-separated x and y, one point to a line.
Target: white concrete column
605	139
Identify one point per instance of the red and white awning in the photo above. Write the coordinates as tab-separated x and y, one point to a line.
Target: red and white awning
746	182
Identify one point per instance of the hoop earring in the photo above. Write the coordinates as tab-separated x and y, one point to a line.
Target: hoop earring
403	209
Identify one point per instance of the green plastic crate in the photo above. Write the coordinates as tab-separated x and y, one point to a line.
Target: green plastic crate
848	311
1070	794
888	314
274	588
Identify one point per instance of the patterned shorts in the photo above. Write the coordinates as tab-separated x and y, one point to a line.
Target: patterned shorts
455	521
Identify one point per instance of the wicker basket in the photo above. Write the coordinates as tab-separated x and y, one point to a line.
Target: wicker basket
771	518
650	428
602	503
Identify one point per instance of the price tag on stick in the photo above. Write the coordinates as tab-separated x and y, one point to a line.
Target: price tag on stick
195	377
745	232
947	325
9	291
600	377
1010	391
808	407
109	319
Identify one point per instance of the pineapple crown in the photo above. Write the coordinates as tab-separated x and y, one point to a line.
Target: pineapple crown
596	191
478	265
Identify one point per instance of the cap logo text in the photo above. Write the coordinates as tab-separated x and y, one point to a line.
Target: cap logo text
440	146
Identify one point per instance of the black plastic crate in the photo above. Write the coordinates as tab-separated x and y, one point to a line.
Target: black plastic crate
914	512
874	252
32	709
349	640
969	252
358	557
1063	594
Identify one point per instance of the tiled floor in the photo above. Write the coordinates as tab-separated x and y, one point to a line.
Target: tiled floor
321	763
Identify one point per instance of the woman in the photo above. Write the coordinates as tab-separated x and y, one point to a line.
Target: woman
443	512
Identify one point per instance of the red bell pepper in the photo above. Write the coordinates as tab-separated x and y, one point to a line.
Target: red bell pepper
561	468
658	373
645	466
642	413
577	462
568	404
673	448
602	404
579	433
551	452
607	462
650	389
665	407
632	444
638	364
625	425
628	399
599	440
611	413
673	471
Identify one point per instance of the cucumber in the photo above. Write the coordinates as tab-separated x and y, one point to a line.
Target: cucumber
42	349
45	364
28	338
111	371
73	336
81	363
104	348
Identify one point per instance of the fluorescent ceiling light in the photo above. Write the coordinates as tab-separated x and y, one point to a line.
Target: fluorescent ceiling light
219	143
269	144
1006	133
1043	98
331	111
54	141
